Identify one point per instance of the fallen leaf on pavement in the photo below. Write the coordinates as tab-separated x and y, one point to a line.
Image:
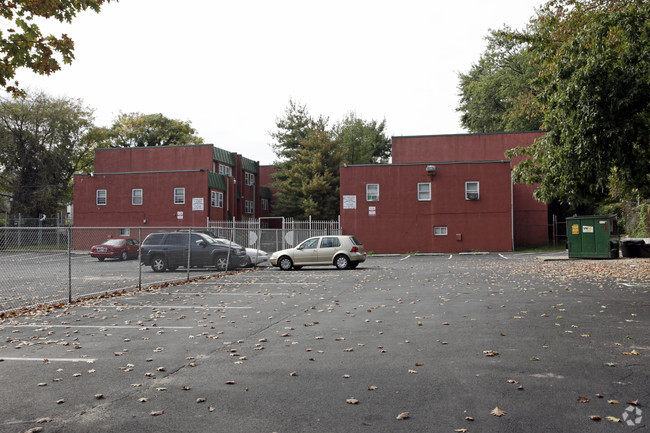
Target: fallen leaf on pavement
352	401
157	412
595	417
633	352
613	419
613	401
583	400
497	411
403	415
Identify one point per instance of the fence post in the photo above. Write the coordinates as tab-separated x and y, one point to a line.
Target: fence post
69	264
140	258
189	252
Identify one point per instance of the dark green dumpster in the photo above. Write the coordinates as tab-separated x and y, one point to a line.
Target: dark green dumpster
592	237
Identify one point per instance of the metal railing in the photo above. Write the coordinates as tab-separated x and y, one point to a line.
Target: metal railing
273	234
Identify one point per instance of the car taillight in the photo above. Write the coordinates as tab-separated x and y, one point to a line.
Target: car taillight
354	250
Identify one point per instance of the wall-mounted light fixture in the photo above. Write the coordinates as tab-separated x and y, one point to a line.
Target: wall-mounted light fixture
431	170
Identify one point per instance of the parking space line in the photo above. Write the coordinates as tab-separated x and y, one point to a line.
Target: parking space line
171	307
227	294
45	325
86	360
266	284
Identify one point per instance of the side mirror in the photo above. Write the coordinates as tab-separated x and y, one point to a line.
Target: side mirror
201	244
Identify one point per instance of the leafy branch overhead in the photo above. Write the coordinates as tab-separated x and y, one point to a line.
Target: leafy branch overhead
594	94
23	44
581	72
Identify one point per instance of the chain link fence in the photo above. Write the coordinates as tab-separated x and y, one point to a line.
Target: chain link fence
50	265
44	265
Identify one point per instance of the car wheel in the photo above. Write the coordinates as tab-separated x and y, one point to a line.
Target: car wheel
342	262
159	264
124	255
245	262
285	263
221	263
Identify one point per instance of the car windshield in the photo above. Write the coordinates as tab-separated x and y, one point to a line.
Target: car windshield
114	242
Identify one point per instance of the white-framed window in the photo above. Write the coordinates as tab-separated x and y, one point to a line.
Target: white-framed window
136	197
440	231
249	178
101	197
471	190
372	192
226	170
265	204
424	191
179	195
249	207
125	232
216	199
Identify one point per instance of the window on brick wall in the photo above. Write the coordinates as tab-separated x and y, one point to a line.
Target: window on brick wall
440	231
424	191
217	199
136	197
226	170
101	197
372	192
179	195
471	190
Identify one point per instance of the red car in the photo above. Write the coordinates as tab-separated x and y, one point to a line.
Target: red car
118	248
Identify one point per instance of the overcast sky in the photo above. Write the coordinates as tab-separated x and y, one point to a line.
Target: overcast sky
230	67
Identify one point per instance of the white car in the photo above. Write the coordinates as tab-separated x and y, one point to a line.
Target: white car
344	252
254	255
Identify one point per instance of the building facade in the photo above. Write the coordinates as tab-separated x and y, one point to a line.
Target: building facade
446	193
168	186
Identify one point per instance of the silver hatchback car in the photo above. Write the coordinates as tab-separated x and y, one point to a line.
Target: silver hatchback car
344	252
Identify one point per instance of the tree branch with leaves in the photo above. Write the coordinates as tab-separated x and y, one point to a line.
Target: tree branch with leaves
23	45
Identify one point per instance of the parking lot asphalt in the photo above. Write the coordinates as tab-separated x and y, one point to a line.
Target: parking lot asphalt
450	340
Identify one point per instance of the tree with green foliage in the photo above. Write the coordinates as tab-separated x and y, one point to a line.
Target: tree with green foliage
496	94
292	132
594	95
23	44
310	154
316	170
363	142
143	130
43	142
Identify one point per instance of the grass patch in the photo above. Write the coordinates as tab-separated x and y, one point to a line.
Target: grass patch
560	248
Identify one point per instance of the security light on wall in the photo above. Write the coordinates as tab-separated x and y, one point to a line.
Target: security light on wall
431	170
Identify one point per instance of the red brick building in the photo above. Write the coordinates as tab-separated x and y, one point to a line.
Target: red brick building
446	193
168	186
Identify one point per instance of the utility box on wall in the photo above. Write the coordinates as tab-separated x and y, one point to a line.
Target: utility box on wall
592	237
